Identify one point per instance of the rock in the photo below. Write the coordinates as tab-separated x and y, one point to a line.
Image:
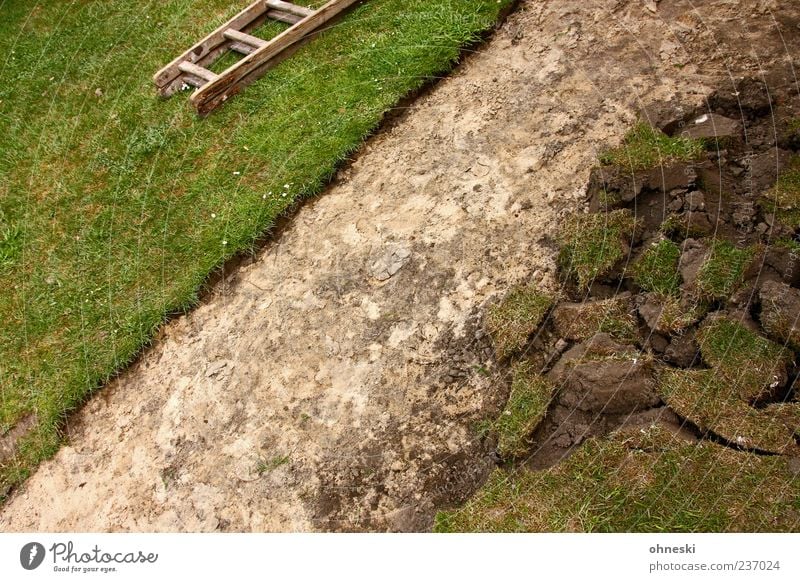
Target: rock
749	98
614	186
215	368
780	311
602	376
683	351
675	205
658	343
711	125
668	178
785	262
696	200
669	117
744	214
666	315
391	262
610	186
697	223
693	254
650	310
765	167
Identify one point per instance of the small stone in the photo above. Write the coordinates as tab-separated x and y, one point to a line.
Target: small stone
710	125
683	351
696	200
675	205
658	343
390	263
215	368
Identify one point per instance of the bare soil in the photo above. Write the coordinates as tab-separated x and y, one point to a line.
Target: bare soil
335	381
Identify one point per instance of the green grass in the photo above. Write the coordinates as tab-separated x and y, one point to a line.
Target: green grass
115	205
527	405
723	270
635	482
746	360
267	465
657	268
515	318
578	322
593	244
646	147
707	399
780	320
783	200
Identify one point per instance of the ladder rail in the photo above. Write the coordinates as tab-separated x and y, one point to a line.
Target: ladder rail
168	80
212	88
253	66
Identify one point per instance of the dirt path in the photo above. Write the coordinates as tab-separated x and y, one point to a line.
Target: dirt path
334	383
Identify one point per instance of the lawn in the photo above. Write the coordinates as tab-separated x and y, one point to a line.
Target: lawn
116	205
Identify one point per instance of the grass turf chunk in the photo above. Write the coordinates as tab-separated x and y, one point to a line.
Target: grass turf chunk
657	269
723	270
748	362
783	200
780	313
614	486
580	321
527	405
646	147
593	244
515	318
709	401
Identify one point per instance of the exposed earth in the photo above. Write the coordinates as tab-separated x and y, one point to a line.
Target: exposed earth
336	380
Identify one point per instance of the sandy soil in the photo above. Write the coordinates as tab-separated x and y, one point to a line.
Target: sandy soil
334	382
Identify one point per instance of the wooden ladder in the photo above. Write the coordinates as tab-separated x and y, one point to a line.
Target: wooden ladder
191	68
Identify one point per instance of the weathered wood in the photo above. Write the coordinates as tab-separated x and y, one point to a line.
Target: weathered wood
167	79
284	16
300	11
242	49
245	38
250	68
197	71
193	81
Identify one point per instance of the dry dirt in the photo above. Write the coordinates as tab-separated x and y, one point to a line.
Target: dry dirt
334	382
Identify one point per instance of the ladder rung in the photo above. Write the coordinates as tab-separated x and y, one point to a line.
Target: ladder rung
300	11
284	16
241	48
244	38
198	71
